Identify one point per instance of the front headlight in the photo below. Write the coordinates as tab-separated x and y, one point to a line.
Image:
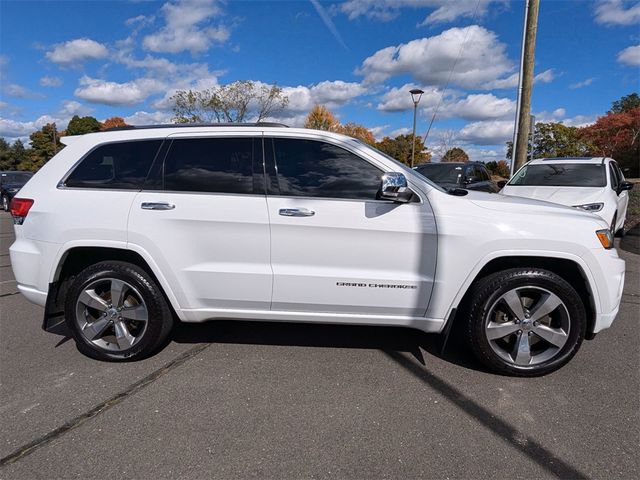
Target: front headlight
606	238
590	207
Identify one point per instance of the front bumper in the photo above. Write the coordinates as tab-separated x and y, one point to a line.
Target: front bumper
610	287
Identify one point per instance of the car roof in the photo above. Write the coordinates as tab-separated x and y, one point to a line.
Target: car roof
161	131
585	160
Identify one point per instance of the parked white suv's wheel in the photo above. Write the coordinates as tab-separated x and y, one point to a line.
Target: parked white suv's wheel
525	321
117	312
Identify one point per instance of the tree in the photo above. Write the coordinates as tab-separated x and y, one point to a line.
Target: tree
455	154
320	118
6	160
113	122
556	140
81	125
19	154
358	131
616	135
43	147
499	168
234	103
625	104
400	149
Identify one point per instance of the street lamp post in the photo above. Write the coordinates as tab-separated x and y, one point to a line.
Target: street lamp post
416	95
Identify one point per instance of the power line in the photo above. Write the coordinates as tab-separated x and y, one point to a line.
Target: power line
455	63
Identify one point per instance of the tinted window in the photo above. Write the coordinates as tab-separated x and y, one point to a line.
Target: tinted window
484	174
115	165
222	165
561	175
308	168
615	179
17	178
441	172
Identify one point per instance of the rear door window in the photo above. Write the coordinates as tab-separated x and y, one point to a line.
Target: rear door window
121	165
215	165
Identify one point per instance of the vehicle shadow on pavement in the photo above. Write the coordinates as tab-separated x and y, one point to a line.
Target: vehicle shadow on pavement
396	339
631	241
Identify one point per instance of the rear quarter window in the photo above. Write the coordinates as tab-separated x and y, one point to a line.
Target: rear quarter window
118	165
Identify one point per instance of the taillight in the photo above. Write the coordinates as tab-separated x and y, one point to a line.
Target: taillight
19	209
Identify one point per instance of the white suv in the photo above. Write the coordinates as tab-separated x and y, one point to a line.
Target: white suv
595	185
124	231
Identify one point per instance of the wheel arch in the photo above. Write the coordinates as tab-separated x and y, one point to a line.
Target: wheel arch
569	269
76	258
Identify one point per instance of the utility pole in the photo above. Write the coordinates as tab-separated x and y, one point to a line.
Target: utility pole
523	121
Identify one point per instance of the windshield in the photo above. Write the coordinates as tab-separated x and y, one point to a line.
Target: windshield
441	172
561	175
16	177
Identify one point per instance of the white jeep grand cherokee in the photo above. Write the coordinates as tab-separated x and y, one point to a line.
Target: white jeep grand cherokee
124	231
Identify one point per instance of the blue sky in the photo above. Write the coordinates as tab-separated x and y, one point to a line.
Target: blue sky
358	57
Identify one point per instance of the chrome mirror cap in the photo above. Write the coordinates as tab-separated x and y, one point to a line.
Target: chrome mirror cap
394	187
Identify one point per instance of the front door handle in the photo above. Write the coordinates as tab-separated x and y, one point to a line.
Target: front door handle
296	212
157	206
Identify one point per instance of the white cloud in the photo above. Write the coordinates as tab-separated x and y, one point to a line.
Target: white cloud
490	132
331	94
583	83
186	28
112	93
398	99
71	107
139	21
483	106
429	60
445	10
15	90
512	80
75	51
47	81
149	118
630	56
617	12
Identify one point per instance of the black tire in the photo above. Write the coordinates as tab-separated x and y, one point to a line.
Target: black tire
487	293
5	203
159	316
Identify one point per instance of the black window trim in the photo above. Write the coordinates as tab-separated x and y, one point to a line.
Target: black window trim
329	140
62	183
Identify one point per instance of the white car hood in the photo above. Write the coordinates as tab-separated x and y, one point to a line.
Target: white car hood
507	203
563	195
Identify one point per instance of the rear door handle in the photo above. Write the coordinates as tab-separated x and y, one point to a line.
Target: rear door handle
296	212
157	206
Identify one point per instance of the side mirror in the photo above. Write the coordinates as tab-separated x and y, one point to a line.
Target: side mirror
624	186
394	187
501	183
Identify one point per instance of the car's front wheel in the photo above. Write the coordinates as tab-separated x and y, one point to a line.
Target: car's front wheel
525	321
116	311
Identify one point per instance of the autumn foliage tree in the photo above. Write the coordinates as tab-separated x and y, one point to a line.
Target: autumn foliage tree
113	122
455	154
400	149
320	118
617	135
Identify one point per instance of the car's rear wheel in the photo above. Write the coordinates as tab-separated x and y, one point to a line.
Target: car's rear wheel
525	322
116	311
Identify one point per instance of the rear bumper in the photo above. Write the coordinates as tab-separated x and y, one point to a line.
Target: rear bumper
31	261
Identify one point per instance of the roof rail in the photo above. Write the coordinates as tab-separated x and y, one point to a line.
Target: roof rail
186	125
565	158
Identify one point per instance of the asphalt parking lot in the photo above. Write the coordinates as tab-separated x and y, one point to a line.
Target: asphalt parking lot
241	399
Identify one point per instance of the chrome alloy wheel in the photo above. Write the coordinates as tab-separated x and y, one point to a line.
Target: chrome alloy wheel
111	314
527	326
